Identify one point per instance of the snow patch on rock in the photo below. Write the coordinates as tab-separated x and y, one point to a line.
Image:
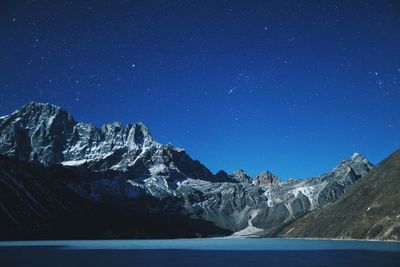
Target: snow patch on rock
250	230
74	162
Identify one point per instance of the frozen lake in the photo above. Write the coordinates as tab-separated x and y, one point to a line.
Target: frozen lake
200	252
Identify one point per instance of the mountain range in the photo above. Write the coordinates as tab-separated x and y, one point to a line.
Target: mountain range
62	179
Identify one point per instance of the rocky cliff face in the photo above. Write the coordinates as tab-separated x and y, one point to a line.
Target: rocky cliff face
265	178
126	164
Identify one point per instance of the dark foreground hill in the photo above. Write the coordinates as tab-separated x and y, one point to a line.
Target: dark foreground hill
369	210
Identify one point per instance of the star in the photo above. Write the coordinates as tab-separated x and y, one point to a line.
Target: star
230	91
133	65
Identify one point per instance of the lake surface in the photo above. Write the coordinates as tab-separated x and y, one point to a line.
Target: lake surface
200	252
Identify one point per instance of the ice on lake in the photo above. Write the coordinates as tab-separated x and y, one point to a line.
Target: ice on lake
200	252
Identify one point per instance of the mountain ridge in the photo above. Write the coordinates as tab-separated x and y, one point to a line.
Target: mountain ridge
141	129
125	166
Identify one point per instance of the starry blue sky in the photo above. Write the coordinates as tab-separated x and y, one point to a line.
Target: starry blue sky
288	86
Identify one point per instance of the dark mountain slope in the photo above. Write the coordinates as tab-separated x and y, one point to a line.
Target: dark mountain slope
369	210
39	202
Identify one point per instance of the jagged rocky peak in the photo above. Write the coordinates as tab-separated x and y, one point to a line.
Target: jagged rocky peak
36	131
35	114
357	163
136	133
240	176
265	178
35	108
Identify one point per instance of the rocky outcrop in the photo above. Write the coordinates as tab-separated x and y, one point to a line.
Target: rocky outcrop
265	178
124	168
240	176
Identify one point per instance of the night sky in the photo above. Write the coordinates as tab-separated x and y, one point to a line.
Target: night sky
287	86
